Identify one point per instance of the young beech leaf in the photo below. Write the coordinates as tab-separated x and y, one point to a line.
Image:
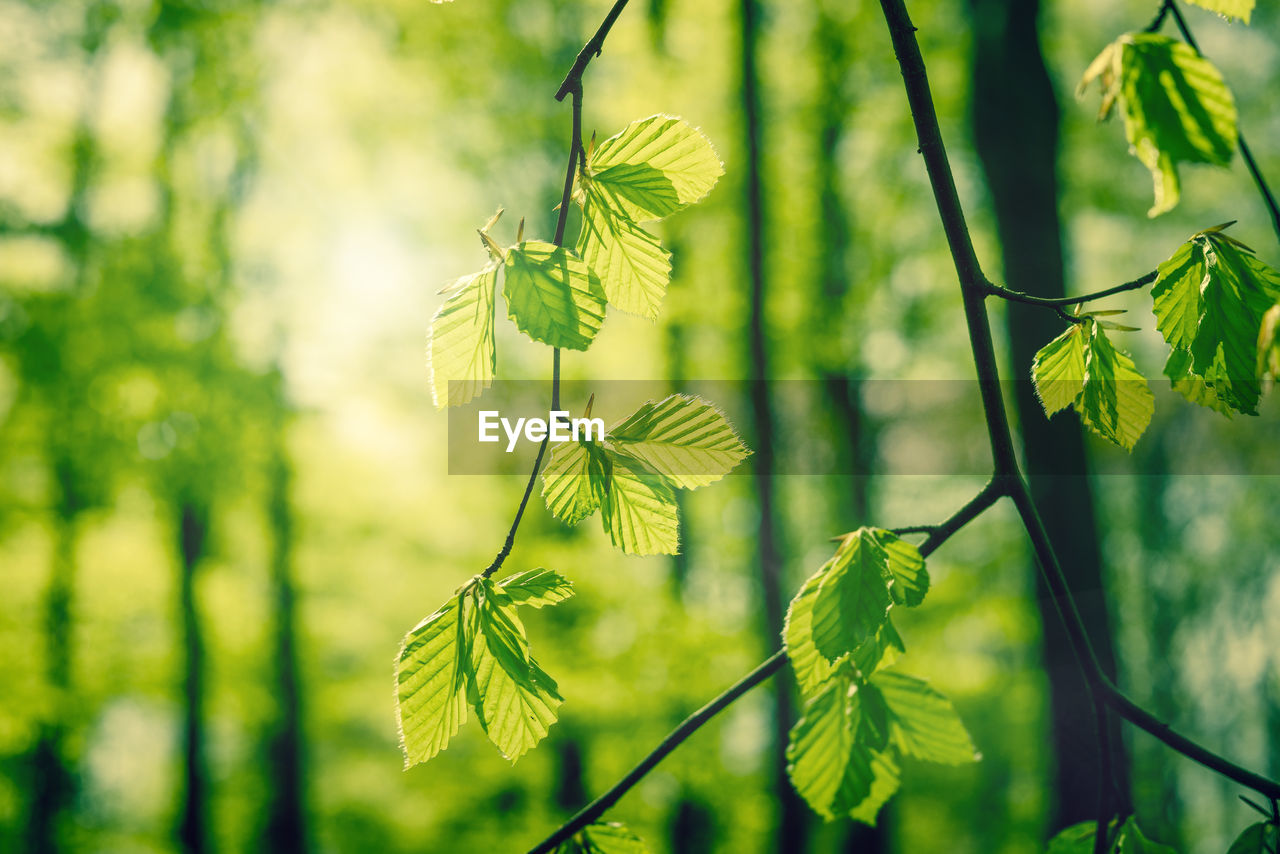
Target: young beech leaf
654	167
1260	838
1116	402
602	838
837	753
430	673
1081	367
514	699
461	353
684	438
1058	370
1132	841
536	587
575	480
922	722
639	508
1175	104
633	267
552	295
906	568
474	650
1209	301
853	598
811	667
1076	839
1241	9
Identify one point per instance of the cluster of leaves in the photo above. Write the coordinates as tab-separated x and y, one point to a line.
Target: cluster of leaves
1216	304
1215	301
860	716
653	168
474	651
681	442
1122	838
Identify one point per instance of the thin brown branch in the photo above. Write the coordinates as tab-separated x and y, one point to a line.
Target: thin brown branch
573	80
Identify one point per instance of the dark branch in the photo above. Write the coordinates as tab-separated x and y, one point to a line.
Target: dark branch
973	288
974	508
674	739
573	80
1059	303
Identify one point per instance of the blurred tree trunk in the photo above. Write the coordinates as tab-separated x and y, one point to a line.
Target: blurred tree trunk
192	524
286	824
53	783
1015	123
792	827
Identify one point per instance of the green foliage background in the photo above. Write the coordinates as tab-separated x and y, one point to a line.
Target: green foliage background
284	187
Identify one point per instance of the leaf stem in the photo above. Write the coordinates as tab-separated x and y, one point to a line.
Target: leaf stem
972	509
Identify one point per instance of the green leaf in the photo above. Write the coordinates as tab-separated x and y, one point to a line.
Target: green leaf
853	598
1116	402
884	785
1058	370
1076	839
603	838
1241	9
574	480
1209	301
685	439
1178	369
878	652
836	752
1269	344
811	667
654	167
461	353
429	678
906	567
922	722
1132	841
553	296
639	508
535	587
513	697
1081	367
633	267
1175	104
1260	838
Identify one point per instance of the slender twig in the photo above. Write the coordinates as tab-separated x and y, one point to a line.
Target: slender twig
972	509
1264	188
1060	302
674	739
591	49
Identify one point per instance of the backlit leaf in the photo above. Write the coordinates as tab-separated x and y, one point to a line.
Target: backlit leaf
461	352
685	439
552	295
430	673
922	722
633	267
1241	9
639	508
654	167
853	599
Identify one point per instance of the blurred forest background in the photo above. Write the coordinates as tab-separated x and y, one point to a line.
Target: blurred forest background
223	487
